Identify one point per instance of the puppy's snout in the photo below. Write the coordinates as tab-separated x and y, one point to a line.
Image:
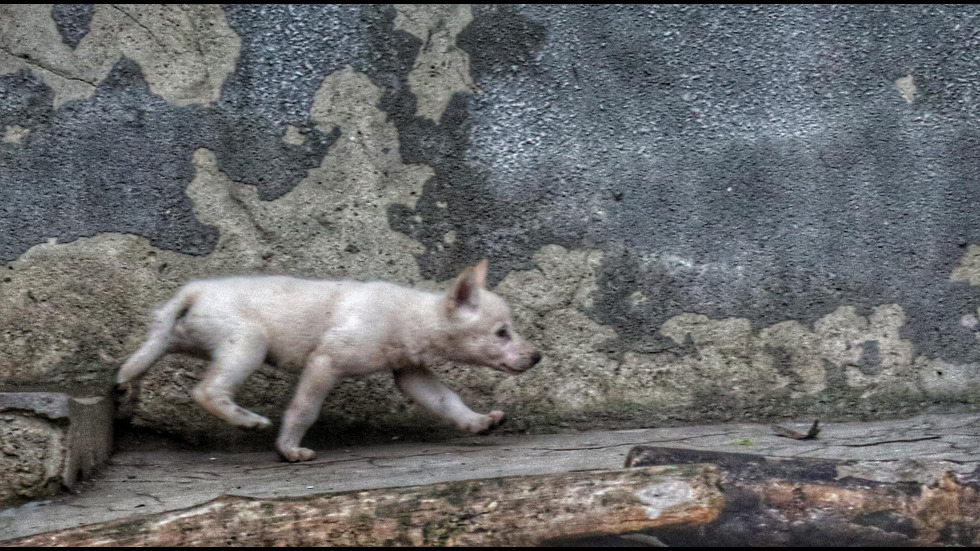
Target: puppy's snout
535	358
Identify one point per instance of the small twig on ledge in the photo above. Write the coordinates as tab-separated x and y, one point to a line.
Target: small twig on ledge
810	434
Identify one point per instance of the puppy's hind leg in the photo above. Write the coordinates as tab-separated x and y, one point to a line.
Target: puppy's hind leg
319	376
237	357
421	384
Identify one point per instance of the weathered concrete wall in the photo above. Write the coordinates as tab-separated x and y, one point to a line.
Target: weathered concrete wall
698	212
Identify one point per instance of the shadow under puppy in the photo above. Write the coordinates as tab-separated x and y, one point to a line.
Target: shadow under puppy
331	330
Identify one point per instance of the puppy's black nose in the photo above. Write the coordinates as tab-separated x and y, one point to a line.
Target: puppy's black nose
535	358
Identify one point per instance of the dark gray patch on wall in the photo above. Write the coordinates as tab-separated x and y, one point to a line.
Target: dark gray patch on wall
870	361
736	161
121	160
73	21
24	100
118	161
286	52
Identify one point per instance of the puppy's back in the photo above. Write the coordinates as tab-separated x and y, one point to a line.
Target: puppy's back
296	313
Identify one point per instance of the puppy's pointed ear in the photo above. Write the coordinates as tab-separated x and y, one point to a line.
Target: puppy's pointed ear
463	293
480	273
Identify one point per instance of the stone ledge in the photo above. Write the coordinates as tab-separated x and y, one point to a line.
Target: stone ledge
49	441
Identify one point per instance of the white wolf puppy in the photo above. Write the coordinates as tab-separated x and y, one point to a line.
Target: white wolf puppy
333	329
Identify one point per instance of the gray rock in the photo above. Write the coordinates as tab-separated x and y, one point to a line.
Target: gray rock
49	441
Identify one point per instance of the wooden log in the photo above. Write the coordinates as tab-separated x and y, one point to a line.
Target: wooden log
817	502
527	510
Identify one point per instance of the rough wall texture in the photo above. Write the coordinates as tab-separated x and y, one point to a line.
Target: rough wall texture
698	212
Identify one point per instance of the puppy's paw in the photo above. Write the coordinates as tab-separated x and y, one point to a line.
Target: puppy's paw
488	422
296	454
255	422
498	418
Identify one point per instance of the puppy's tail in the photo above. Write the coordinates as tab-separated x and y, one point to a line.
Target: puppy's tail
159	337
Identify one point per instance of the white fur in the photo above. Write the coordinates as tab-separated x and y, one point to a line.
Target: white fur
333	329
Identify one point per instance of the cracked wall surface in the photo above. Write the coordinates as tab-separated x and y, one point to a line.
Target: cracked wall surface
697	212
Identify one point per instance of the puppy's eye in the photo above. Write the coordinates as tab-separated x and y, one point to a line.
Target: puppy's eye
502	333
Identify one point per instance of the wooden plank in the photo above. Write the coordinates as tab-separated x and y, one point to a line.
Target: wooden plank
818	502
527	510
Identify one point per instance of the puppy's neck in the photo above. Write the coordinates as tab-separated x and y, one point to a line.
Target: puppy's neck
429	338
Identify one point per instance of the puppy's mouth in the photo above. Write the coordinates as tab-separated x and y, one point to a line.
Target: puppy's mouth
511	370
507	369
531	362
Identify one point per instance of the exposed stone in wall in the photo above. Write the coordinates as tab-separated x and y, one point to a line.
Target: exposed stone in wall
49	441
185	51
32	453
551	309
50	297
441	68
969	267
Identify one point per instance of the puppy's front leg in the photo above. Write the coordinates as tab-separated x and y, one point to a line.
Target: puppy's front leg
319	376
421	385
